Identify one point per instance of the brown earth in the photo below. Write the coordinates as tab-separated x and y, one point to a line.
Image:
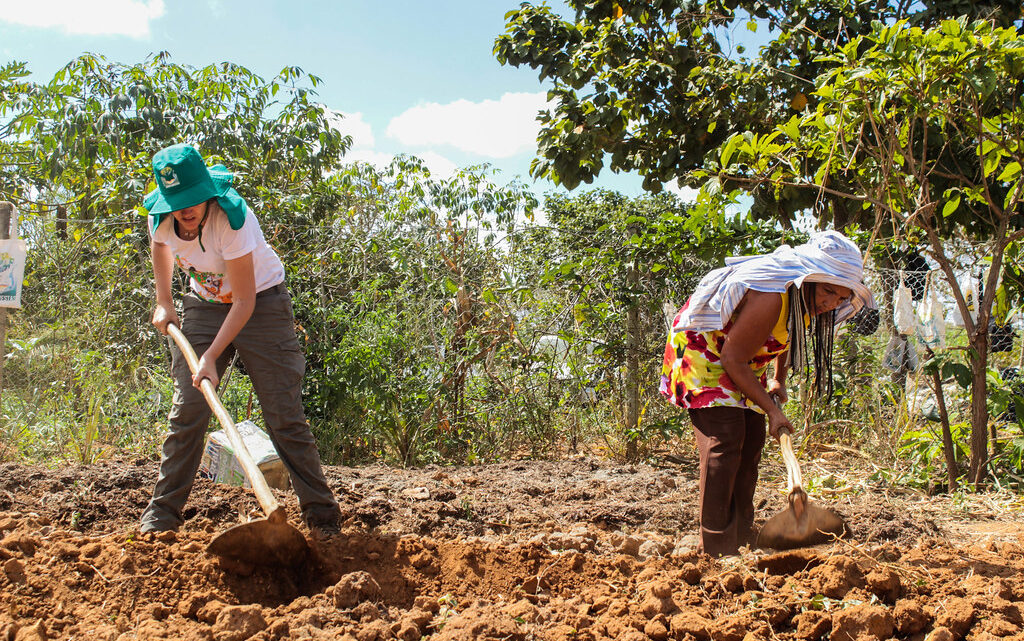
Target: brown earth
578	549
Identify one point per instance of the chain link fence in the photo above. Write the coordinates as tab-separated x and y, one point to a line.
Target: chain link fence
457	354
445	349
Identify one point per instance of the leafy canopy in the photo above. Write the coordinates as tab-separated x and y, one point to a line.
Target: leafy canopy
652	86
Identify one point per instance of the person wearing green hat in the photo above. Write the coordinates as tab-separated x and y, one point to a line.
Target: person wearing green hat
237	301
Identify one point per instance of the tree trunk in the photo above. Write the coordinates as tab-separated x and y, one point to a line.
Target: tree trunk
979	405
62	222
6	212
948	449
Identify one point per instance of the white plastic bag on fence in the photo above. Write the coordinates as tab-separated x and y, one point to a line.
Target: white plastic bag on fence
969	289
903	311
900	355
931	323
13	253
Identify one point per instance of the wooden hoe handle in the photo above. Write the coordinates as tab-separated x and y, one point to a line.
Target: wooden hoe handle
795	480
252	471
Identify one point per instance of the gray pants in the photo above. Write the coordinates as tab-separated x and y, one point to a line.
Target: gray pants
270	351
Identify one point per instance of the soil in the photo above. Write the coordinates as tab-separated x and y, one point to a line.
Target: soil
577	549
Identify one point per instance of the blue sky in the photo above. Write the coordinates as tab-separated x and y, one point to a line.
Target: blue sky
410	76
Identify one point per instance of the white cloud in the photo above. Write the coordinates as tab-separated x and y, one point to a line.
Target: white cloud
363	143
97	17
352	124
376	158
439	166
492	128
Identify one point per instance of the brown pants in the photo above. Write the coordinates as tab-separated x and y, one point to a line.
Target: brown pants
268	347
730	440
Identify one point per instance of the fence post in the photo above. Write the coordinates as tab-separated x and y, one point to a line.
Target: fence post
632	356
6	210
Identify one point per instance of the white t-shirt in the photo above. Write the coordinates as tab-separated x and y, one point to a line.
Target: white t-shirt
205	265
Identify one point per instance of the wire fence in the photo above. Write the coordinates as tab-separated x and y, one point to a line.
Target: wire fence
919	320
443	336
445	348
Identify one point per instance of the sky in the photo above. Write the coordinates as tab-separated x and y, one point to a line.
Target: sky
409	76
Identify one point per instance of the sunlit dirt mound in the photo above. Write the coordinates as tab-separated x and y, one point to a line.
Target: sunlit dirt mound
577	549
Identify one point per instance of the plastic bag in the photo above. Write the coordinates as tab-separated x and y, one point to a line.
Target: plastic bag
931	324
899	356
220	463
916	273
969	289
903	311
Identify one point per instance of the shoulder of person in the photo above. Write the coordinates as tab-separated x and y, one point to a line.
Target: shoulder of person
763	302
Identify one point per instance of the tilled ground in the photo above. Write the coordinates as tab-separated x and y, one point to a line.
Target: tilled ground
578	549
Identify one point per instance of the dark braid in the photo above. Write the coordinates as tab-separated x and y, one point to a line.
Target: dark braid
822	335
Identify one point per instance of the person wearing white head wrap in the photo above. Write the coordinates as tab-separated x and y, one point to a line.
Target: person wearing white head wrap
755	311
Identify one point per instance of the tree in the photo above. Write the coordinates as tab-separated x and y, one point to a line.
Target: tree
92	129
924	126
606	266
652	86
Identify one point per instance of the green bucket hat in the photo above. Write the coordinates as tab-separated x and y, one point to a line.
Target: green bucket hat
184	180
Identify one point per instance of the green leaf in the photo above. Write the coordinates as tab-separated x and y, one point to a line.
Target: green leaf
960	372
951	206
792	128
1010	172
991	163
730	148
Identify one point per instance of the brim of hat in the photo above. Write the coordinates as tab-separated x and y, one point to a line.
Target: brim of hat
229	200
156	204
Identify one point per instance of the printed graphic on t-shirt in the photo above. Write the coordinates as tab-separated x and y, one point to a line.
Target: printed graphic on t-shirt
209	283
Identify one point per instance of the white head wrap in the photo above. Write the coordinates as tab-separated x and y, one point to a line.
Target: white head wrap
828	257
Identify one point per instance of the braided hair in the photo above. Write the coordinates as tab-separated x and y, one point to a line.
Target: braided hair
821	330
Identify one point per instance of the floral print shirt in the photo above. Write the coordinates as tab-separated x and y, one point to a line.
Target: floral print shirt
692	375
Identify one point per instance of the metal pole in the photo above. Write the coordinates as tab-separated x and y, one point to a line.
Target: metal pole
6	210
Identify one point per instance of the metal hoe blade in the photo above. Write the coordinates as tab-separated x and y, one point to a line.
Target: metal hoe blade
270	541
801	524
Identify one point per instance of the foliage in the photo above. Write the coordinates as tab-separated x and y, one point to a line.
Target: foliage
439	321
411	272
653	87
94	127
924	127
605	254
